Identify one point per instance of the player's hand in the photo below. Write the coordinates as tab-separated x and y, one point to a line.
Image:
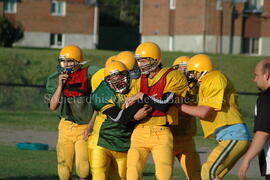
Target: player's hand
131	100
143	112
87	132
62	79
242	171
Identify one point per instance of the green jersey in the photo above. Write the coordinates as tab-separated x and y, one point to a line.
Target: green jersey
112	135
75	101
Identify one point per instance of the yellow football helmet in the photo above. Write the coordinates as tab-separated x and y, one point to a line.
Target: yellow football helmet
70	58
109	60
117	77
200	65
180	63
148	51
127	58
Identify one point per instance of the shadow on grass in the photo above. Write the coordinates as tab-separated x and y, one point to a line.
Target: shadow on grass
53	177
32	178
148	174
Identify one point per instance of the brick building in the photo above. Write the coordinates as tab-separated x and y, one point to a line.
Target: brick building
216	26
53	23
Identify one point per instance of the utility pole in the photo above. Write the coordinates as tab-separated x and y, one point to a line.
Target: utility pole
231	26
219	8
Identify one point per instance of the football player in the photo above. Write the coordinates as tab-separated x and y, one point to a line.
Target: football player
157	87
110	141
183	143
219	116
69	91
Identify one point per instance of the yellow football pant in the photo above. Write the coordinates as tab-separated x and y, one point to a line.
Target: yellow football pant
146	139
71	145
184	149
222	159
106	163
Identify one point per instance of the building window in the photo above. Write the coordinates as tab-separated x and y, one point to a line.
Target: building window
10	6
58	8
251	45
172	4
254	5
56	40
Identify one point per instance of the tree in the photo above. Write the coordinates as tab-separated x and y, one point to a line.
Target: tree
9	33
125	11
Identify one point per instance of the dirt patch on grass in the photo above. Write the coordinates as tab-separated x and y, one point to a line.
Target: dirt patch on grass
10	137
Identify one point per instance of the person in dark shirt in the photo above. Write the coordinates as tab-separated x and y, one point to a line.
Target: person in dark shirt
261	141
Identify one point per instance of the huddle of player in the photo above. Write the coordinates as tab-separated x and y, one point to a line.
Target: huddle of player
113	117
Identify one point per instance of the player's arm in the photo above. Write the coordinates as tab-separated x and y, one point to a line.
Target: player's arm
119	115
89	129
160	104
54	101
203	112
211	100
261	136
257	145
163	104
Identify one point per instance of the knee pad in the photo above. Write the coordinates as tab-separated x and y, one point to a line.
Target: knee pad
83	169
64	172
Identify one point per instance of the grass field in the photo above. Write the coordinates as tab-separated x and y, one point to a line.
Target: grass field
41	165
25	108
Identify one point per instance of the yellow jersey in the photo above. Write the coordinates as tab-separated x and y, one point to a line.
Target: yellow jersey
217	91
97	78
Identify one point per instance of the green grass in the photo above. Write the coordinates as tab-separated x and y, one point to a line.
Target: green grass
26	164
179	174
42	165
39	120
25	65
32	66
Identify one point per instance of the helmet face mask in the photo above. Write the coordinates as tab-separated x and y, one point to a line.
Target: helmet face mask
181	63
119	81
67	66
147	64
176	67
181	67
195	77
191	76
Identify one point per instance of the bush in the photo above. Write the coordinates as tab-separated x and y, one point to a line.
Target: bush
9	33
